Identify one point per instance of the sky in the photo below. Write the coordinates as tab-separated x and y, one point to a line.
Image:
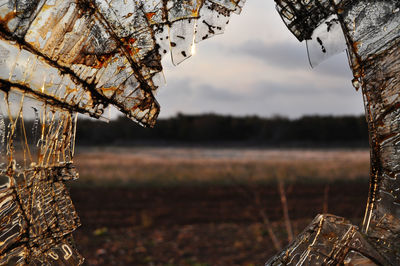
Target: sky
257	67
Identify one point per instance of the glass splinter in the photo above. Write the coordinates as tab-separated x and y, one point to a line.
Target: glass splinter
371	32
63	57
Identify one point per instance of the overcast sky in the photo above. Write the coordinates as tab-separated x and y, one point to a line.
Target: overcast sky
257	67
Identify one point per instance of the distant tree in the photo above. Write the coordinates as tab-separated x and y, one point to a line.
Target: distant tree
207	129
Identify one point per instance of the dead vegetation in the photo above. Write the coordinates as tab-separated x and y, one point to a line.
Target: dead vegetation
200	166
186	206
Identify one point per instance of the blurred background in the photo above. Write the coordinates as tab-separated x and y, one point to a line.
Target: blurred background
250	146
212	189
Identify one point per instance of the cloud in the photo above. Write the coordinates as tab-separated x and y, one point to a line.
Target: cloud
207	91
305	89
258	67
186	89
284	55
261	98
289	56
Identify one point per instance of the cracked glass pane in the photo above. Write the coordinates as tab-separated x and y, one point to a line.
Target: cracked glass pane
63	57
108	51
326	40
371	32
36	212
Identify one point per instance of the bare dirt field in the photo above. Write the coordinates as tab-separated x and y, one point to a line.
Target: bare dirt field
183	206
205	166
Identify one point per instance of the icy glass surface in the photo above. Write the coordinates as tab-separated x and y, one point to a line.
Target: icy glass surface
302	17
326	40
36	213
101	52
370	31
60	57
372	25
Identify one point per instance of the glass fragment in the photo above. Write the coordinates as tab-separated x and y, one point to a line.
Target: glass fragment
371	30
63	57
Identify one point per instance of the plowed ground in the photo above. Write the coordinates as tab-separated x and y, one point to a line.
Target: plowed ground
201	225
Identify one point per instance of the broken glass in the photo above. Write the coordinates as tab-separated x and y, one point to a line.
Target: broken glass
109	52
36	149
371	30
326	40
63	57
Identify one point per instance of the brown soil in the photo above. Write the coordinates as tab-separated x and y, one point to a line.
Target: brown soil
209	225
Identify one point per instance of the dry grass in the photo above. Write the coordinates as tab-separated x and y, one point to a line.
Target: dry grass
172	166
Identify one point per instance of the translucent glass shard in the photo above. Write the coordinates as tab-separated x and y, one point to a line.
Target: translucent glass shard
60	57
232	5
213	20
155	11
371	32
99	44
303	17
36	213
183	9
30	72
327	241
375	25
161	35
17	15
326	40
124	17
181	36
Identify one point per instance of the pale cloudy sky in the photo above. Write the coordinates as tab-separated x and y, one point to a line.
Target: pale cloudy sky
257	67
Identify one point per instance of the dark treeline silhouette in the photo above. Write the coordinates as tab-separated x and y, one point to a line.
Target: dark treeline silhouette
211	129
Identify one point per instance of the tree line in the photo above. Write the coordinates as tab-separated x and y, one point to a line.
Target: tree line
213	129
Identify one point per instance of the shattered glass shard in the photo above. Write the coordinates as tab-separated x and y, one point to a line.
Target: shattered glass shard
36	213
60	57
213	19
102	52
371	30
372	25
303	17
326	40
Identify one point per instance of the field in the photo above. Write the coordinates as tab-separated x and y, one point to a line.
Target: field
198	206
